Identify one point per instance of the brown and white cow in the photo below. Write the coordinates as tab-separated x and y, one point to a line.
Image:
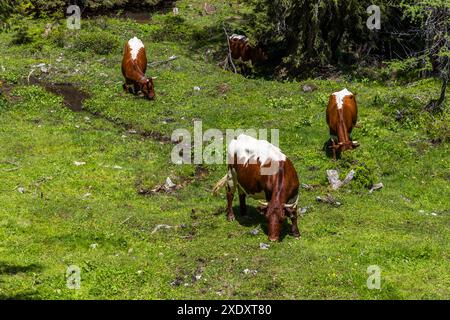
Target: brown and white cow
342	114
134	65
241	48
258	169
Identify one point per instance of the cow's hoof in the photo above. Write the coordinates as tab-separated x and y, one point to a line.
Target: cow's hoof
230	218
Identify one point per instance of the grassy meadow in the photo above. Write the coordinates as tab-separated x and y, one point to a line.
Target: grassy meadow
75	187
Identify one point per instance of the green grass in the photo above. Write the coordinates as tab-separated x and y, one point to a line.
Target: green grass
65	209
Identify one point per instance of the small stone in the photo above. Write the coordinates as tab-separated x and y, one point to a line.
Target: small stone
307	88
376	186
264	246
251	272
169	184
198	277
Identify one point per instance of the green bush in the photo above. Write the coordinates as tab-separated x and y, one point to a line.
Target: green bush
439	128
45	7
305	37
99	42
365	169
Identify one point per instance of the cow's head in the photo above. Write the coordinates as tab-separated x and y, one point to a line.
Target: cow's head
346	145
258	55
275	214
148	88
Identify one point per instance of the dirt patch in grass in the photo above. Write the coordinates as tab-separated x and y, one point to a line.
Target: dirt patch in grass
5	90
73	97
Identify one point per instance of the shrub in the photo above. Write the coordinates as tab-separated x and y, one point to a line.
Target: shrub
99	42
365	169
439	128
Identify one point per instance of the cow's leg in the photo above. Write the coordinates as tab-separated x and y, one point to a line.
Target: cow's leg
334	149
242	205
136	88
231	188
128	86
294	228
230	196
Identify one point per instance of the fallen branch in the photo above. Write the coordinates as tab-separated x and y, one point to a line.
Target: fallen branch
29	75
125	220
159	226
329	199
155	63
228	60
333	178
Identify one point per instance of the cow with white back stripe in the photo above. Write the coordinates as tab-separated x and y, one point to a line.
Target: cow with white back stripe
134	66
342	114
258	169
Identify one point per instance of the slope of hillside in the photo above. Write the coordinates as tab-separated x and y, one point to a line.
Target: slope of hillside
76	187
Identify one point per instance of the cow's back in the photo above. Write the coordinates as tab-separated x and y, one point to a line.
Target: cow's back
129	64
260	186
348	114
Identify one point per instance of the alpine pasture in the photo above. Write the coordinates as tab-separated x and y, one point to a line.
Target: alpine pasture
85	188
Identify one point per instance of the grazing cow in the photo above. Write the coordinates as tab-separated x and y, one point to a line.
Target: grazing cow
241	48
258	169
342	114
134	65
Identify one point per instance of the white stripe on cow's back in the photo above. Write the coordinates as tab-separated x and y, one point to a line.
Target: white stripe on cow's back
340	95
238	36
249	150
135	45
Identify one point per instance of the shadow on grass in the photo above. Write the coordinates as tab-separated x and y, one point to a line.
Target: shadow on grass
328	149
254	218
7	269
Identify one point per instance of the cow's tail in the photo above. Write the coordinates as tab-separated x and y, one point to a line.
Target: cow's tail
220	184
